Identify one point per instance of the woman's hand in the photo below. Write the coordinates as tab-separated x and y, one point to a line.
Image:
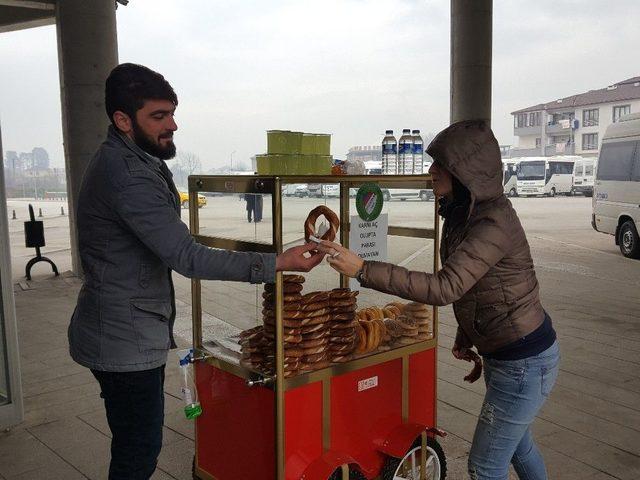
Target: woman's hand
341	259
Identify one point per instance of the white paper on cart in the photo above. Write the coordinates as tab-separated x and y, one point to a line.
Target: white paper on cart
368	240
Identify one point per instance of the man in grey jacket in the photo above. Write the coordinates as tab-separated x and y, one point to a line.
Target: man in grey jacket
130	239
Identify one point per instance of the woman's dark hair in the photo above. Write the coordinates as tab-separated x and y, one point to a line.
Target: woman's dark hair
461	194
129	85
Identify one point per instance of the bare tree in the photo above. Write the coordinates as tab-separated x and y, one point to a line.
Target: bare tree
189	162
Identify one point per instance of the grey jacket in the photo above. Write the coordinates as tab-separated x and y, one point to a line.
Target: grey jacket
130	239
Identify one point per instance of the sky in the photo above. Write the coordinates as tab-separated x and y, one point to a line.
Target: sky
352	68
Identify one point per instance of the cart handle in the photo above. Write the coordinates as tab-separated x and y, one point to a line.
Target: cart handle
260	382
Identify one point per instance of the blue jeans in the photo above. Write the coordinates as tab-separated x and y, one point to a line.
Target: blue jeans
516	390
134	402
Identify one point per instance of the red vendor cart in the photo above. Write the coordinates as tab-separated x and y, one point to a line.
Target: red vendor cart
368	418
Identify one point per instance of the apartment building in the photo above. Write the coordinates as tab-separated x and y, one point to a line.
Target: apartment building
573	125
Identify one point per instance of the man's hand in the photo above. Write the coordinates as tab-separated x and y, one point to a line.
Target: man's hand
341	259
294	259
458	351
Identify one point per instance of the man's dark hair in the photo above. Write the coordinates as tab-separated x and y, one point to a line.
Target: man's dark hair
129	85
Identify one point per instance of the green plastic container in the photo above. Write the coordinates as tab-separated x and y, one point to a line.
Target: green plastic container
316	144
323	143
263	164
284	142
323	164
281	163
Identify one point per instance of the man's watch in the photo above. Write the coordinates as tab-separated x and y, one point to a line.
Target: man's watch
359	276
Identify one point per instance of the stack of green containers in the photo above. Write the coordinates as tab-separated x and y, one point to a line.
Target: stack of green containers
296	153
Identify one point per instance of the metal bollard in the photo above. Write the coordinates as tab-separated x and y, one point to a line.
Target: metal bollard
39	213
62	211
14	216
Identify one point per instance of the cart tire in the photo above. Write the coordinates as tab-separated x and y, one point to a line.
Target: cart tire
439	472
353	475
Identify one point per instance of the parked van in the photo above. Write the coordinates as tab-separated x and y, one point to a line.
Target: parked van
545	176
509	177
583	176
616	199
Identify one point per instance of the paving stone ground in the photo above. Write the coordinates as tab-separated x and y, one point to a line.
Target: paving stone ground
589	428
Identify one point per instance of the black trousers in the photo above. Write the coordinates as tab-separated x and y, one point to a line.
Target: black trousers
134	402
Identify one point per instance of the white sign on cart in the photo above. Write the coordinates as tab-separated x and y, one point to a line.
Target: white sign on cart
369	240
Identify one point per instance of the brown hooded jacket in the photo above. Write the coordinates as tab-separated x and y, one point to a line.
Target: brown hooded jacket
487	271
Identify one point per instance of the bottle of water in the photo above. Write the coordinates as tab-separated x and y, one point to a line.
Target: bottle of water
389	154
418	152
405	153
192	408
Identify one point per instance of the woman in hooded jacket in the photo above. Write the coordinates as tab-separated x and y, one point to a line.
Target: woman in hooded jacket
488	274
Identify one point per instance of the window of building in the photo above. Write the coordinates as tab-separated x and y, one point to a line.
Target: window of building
619	111
534	119
590	141
538	142
590	118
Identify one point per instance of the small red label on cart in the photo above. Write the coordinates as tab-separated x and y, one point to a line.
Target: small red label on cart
367	383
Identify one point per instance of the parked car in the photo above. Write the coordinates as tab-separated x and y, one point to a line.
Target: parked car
289	189
302	190
184	200
213	194
331	190
407	194
315	190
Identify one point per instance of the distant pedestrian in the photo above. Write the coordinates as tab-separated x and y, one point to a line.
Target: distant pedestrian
250	198
257	210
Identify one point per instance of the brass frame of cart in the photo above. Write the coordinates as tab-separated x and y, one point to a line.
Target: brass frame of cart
272	185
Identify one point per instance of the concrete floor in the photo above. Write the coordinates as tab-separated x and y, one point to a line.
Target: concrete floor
589	428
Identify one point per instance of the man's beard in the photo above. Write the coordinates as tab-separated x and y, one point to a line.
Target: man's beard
146	143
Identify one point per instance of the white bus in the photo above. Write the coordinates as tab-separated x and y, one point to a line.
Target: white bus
545	176
583	176
509	177
616	200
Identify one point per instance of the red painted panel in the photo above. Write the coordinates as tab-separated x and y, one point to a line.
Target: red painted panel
236	431
422	387
360	420
303	428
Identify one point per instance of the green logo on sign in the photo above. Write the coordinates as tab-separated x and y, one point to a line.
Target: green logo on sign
369	201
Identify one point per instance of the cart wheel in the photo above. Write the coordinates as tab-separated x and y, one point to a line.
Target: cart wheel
353	475
408	467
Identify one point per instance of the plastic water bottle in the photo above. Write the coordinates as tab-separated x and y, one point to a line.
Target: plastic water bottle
192	408
389	154
418	152
405	153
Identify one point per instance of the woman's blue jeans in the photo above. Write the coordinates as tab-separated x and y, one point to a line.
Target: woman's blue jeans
516	389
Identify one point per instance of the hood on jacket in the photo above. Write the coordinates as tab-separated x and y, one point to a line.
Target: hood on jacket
470	152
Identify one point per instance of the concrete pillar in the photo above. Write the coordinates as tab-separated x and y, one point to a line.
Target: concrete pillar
87	52
471	45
